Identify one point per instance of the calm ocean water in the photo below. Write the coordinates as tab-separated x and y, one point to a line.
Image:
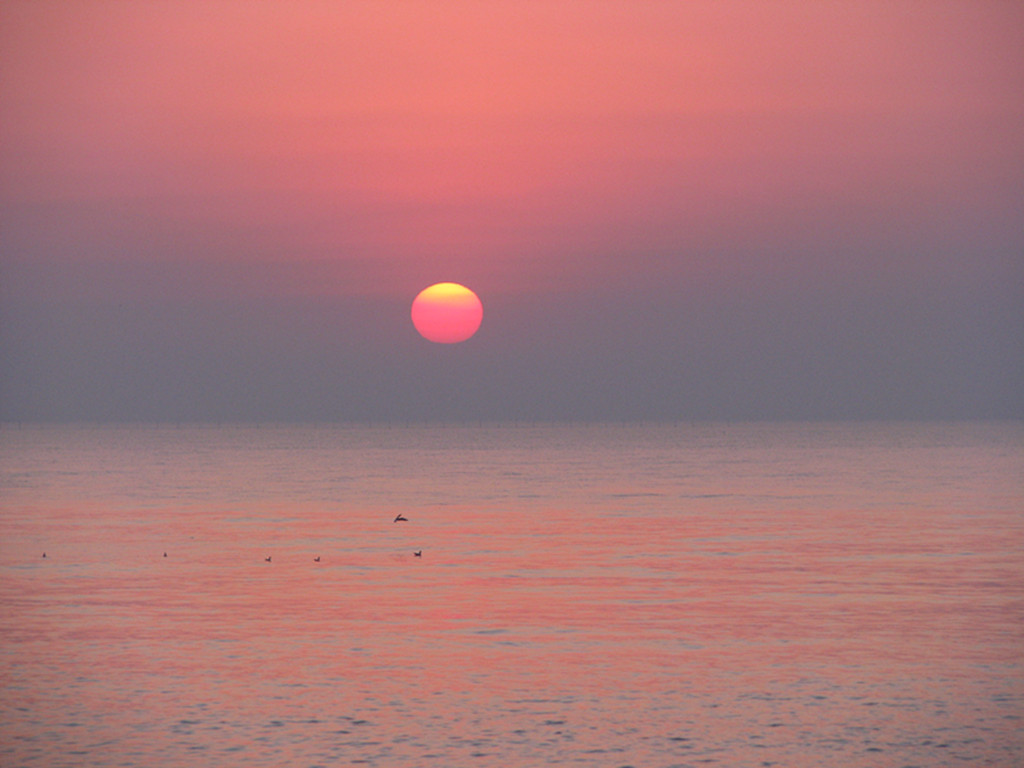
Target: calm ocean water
648	596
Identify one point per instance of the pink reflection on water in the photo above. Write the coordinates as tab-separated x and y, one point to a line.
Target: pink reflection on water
614	631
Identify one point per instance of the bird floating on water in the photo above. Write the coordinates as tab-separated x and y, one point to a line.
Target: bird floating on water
401	519
316	559
418	553
267	558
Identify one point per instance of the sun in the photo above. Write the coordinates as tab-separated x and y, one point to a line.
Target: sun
447	313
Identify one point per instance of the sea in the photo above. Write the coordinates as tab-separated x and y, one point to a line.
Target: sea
608	595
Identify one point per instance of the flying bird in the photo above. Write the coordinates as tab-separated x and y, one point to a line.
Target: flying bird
400	519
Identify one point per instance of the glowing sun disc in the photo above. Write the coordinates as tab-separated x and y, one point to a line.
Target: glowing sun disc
447	313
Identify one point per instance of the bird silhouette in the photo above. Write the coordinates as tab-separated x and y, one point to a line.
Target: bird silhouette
400	519
316	559
267	558
418	553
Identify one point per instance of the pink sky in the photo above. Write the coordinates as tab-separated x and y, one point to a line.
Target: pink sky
522	148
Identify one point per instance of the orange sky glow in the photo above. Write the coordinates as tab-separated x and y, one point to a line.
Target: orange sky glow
600	149
464	134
